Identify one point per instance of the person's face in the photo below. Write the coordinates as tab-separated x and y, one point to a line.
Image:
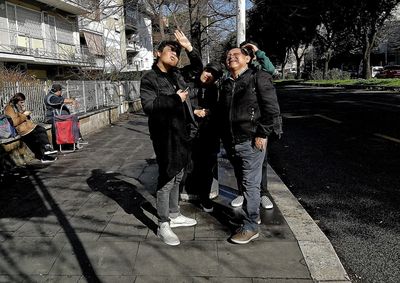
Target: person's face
168	56
21	103
59	92
207	77
236	59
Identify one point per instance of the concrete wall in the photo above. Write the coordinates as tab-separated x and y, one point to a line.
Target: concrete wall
13	152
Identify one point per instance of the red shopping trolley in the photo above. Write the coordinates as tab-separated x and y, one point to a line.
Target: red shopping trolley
66	130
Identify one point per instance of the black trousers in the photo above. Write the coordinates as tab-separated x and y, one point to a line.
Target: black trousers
264	181
36	140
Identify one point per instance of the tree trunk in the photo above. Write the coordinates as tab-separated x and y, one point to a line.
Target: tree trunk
195	25
369	43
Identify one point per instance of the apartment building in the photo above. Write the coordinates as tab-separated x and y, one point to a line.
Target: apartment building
138	36
56	39
42	37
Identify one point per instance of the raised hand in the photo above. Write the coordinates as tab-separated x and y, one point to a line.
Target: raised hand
183	40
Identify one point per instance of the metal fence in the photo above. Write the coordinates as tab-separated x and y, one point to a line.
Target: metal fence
90	95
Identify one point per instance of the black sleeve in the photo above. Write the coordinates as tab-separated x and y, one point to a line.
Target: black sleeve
152	102
192	71
270	120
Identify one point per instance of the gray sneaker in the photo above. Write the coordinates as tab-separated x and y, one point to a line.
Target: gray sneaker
182	221
166	235
238	201
266	202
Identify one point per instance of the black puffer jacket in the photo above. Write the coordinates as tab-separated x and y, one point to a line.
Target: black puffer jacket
248	107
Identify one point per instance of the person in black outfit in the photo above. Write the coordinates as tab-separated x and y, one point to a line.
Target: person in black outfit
206	143
165	99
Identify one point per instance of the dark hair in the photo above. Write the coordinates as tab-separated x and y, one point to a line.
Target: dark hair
56	87
215	69
171	43
19	96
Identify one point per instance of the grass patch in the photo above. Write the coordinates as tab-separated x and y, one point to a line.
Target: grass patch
356	82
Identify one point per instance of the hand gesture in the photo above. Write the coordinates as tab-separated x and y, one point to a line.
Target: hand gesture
27	113
252	46
260	143
201	113
183	40
183	94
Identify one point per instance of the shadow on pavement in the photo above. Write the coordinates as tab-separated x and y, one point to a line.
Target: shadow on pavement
125	194
84	262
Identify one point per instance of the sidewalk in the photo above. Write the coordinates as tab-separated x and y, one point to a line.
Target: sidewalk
90	217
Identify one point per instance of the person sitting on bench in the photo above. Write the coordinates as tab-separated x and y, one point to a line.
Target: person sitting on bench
33	135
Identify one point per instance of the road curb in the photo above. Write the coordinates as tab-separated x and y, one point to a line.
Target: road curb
320	256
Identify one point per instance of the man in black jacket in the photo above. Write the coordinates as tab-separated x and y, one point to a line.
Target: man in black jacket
164	97
249	113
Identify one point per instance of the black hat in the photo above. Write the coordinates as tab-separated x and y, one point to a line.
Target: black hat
215	69
56	87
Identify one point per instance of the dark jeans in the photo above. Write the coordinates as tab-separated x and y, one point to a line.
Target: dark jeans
36	140
247	162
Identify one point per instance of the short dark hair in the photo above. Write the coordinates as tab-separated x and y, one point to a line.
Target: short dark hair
215	69
56	87
19	96
171	43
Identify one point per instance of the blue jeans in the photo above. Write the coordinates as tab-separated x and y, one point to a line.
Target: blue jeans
247	162
168	199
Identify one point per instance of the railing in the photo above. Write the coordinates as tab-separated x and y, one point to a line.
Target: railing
46	49
90	95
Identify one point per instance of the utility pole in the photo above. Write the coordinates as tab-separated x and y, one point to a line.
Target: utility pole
241	21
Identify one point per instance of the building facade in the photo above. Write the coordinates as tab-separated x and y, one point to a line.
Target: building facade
56	39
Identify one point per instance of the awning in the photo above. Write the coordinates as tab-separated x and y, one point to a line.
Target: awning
95	43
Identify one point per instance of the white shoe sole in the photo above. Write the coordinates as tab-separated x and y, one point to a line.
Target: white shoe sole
176	225
255	236
236	204
50	152
208	210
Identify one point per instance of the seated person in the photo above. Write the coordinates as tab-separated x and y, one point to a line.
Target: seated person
56	105
34	136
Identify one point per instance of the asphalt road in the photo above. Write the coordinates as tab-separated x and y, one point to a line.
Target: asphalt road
340	156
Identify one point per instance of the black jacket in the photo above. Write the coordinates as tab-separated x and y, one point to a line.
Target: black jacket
171	122
248	107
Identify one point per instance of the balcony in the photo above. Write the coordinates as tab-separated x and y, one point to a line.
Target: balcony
76	7
86	24
23	48
132	46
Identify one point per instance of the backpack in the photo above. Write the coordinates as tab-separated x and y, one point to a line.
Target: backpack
6	129
277	121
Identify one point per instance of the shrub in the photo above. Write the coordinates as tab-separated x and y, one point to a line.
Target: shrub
333	74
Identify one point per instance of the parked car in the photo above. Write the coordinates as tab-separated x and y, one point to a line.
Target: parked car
376	70
392	71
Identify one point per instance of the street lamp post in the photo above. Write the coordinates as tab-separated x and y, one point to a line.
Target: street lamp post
241	21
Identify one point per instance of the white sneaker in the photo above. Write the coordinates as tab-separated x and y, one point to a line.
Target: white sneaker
266	202
166	235
238	201
182	221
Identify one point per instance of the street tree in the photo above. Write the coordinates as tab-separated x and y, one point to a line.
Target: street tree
280	27
368	17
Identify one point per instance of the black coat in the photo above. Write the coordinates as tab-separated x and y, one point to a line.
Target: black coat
171	122
248	107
